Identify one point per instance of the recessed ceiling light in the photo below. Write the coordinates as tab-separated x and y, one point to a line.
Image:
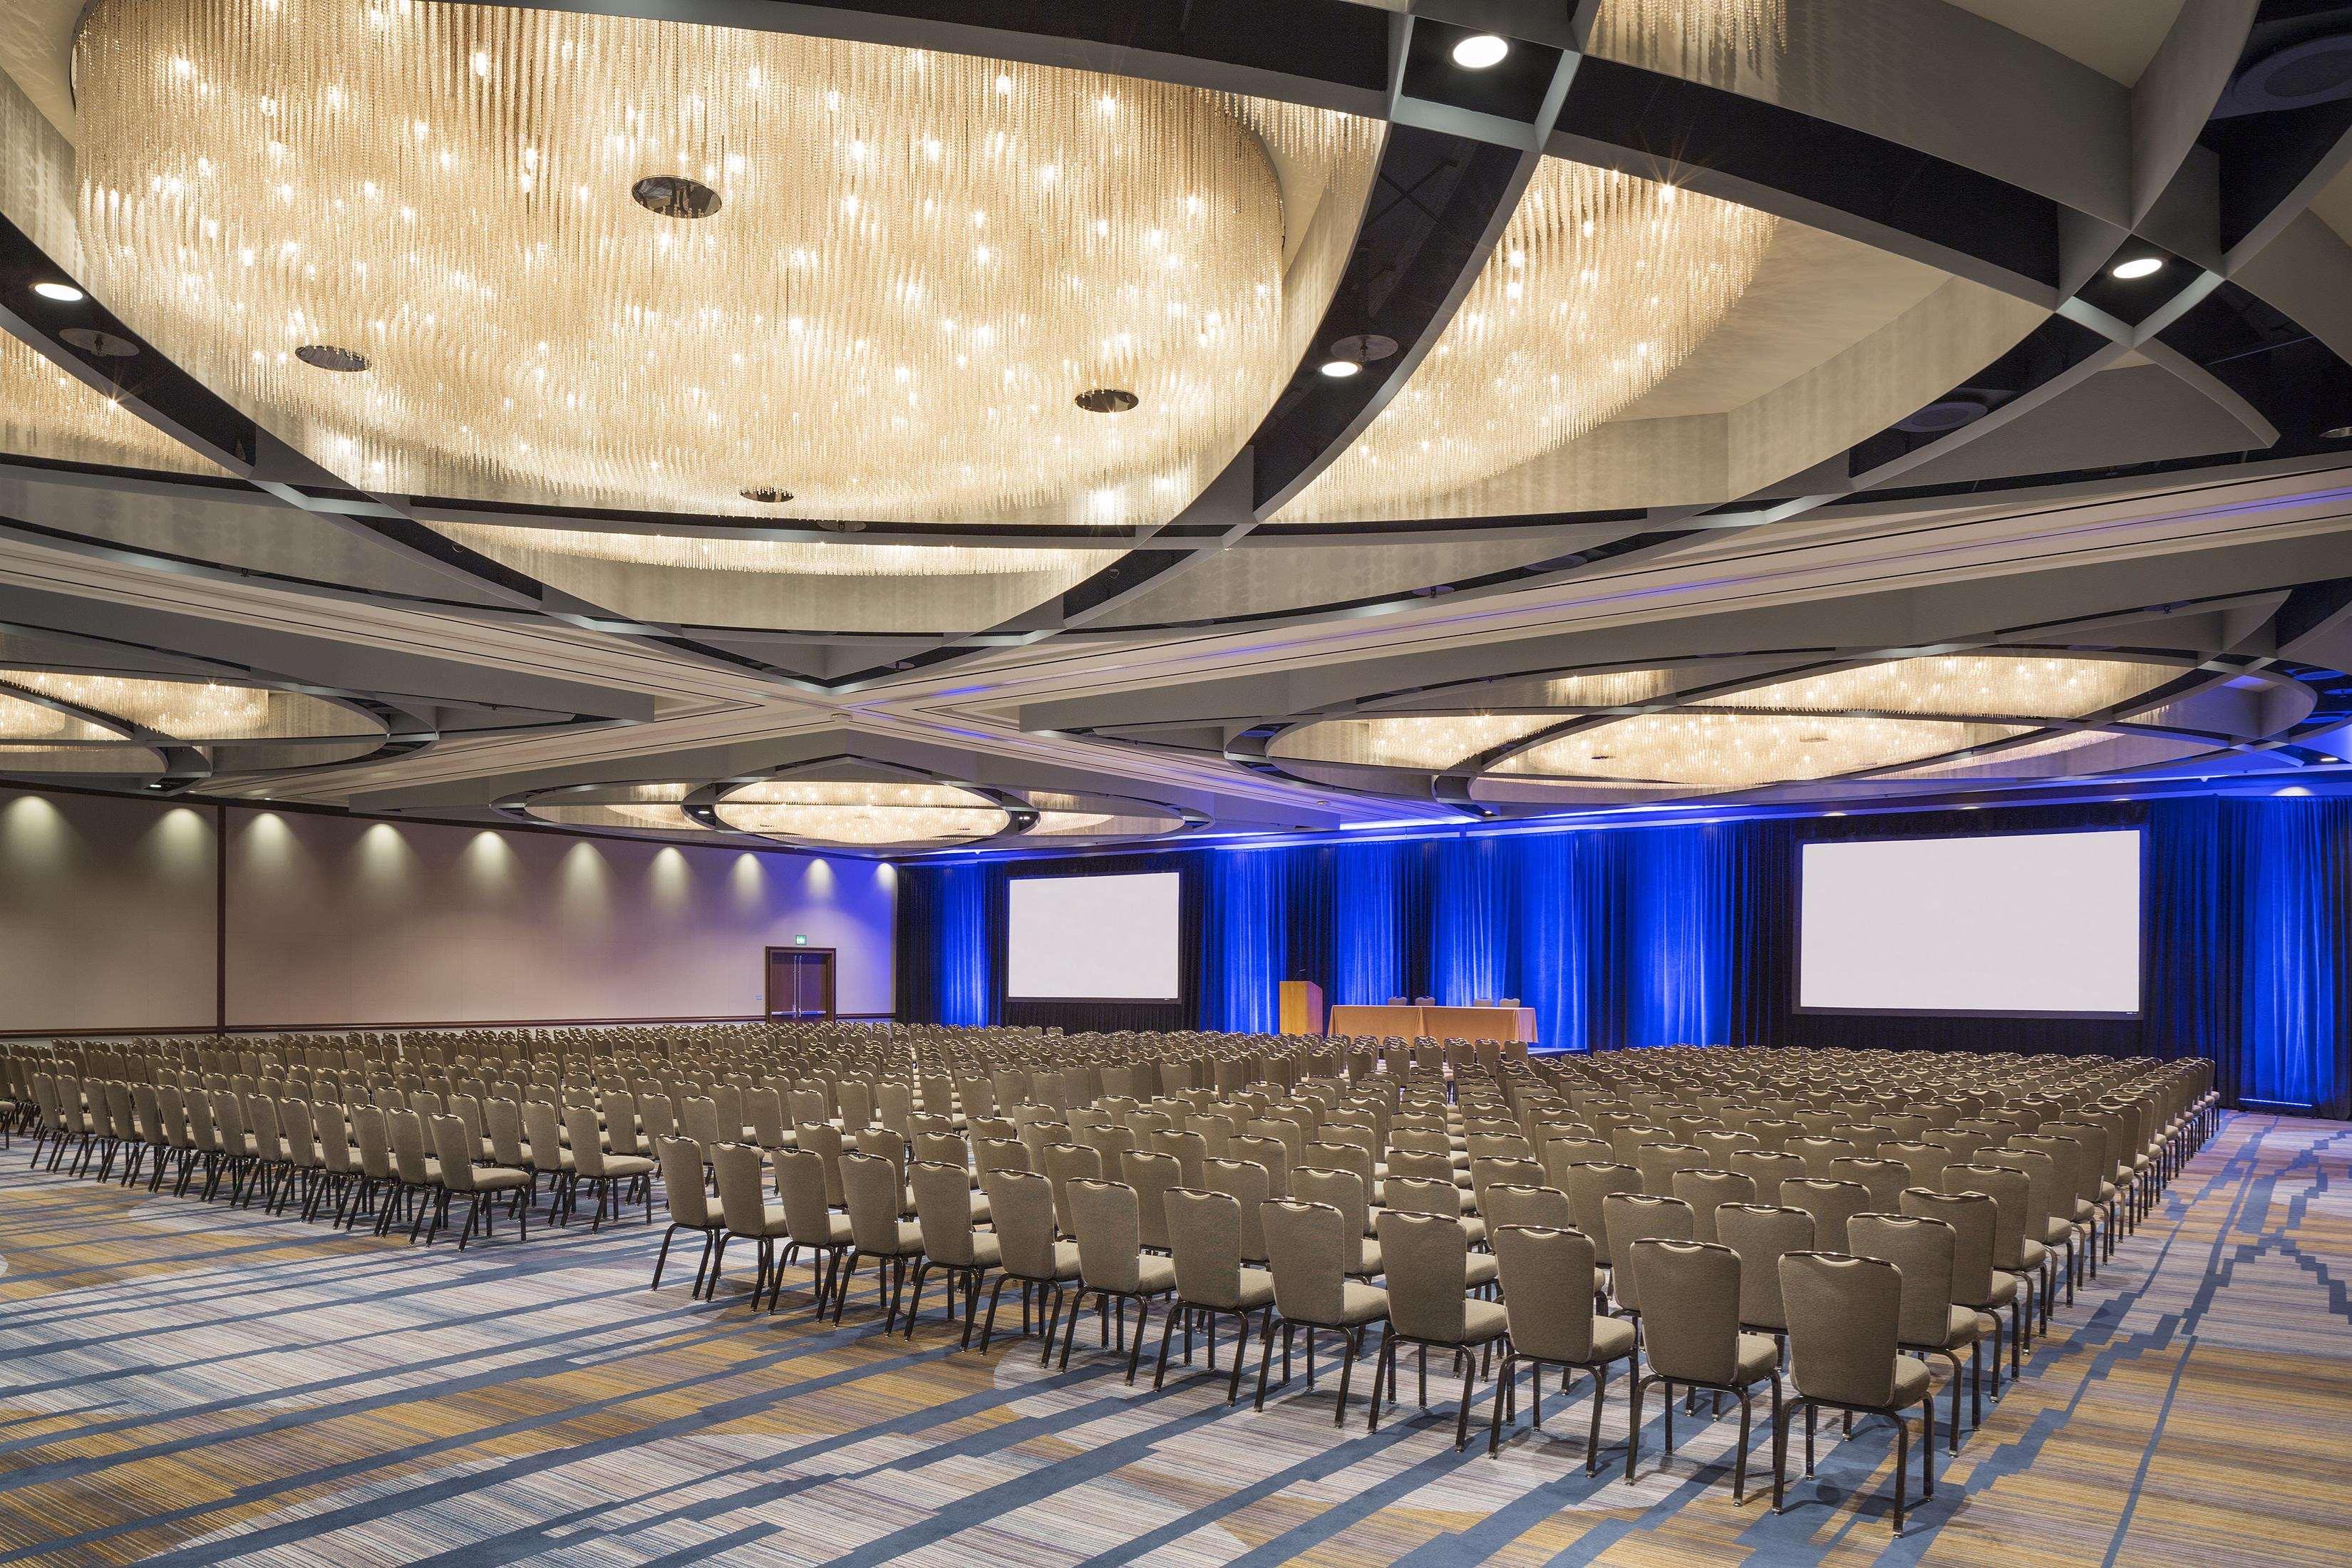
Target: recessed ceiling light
1340	369
2338	432
1480	51
674	195
63	293
2137	266
328	356
1105	400
768	495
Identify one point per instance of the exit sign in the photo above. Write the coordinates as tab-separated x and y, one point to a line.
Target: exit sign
799	940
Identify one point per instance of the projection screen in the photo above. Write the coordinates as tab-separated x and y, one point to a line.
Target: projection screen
2033	923
1097	938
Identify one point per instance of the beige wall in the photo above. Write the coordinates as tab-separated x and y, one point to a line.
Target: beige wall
106	913
107	921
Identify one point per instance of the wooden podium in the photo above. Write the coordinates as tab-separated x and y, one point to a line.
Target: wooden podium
1302	1007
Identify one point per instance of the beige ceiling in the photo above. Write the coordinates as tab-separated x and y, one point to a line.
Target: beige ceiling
36	49
2115	37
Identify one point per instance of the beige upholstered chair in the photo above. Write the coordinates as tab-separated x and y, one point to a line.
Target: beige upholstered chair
1153	1177
1315	1246
1428	1260
1343	1190
1629	1217
1831	1204
1245	1182
1976	1223
1549	1312
1844	1317
609	1176
1064	1163
477	1183
1659	1161
1205	1234
689	1208
744	1211
1692	1289
418	1172
875	1197
1588	1187
1707	1191
2015	1183
1113	1267
1884	1180
1762	1233
962	1255
1029	1250
1932	1323
811	1223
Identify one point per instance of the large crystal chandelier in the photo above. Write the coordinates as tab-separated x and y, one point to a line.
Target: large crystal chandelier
867	814
1602	284
480	251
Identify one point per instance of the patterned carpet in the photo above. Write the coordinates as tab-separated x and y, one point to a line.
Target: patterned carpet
185	1383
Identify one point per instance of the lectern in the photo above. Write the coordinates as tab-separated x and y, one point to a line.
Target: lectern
1302	1007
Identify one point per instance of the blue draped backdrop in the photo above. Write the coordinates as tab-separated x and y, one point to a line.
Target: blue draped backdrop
1653	935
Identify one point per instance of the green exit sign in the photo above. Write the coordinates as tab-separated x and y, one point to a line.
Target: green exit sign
799	941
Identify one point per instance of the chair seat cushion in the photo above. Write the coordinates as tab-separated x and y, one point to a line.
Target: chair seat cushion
2033	1256
987	1249
1065	1260
1368	1261
837	1232
910	1237
1361	1304
1475	1231
1613	1338
1479	1270
499	1178
981	1213
628	1165
1257	1290
1482	1320
2059	1232
1962	1328
1757	1355
1155	1275
2003	1292
1912	1382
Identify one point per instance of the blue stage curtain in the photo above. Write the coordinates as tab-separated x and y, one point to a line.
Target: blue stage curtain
965	984
1470	928
1377	915
1244	939
2295	857
1680	932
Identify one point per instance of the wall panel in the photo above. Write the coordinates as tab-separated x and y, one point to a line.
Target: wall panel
336	921
106	914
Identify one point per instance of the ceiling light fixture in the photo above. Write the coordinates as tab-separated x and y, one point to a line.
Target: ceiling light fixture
1341	369
1105	400
768	495
1481	52
2139	267
62	294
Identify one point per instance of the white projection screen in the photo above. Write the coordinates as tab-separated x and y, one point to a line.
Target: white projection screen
1095	938
2025	923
